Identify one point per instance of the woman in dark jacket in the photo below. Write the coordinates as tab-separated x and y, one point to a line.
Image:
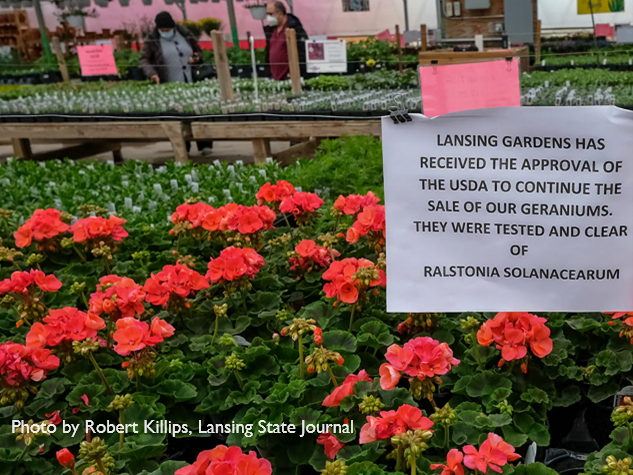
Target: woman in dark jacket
167	56
169	51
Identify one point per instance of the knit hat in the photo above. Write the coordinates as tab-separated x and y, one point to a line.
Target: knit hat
164	20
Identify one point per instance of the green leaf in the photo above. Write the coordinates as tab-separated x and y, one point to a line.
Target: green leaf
534	469
93	391
178	390
51	388
615	362
499	420
538	433
364	468
513	437
67	440
568	396
485	383
444	336
396	398
464	433
535	395
582	324
600	393
264	301
338	340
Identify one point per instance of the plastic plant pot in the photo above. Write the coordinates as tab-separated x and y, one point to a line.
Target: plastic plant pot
258	12
76	21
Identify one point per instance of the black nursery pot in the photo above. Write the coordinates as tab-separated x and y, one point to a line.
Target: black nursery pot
263	71
243	71
135	73
50	77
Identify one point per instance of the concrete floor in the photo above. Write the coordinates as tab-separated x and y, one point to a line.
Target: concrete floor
161	152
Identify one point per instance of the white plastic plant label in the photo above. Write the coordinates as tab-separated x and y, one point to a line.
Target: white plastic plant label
510	209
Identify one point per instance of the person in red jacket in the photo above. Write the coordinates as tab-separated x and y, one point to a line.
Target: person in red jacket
276	49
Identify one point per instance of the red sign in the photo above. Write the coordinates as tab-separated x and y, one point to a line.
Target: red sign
604	29
96	60
459	87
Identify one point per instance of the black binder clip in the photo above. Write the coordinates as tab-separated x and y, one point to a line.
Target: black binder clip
398	112
434	65
509	63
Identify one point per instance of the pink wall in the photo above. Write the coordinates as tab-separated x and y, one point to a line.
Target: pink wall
319	17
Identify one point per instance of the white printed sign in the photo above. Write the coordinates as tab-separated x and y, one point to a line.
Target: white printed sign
326	56
510	209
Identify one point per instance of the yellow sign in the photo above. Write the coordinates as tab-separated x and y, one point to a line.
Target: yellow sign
600	6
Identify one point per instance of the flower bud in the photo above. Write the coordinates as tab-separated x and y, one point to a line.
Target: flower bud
66	459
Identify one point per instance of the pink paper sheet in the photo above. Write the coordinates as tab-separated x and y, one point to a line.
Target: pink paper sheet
458	87
96	60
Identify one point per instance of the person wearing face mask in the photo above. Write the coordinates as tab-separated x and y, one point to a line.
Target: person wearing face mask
279	20
167	55
169	51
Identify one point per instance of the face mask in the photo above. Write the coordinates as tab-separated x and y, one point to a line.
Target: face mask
168	35
272	21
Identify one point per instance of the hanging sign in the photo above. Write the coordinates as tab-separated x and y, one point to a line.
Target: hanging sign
458	87
604	29
510	209
585	7
326	56
96	60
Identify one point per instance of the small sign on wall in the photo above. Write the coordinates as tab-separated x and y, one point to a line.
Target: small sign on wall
326	56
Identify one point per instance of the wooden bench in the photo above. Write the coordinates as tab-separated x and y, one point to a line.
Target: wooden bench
98	137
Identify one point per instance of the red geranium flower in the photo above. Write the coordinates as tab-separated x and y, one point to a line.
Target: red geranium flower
330	443
512	332
134	335
22	282
45	224
274	193
310	256
354	204
239	218
392	423
302	205
345	389
96	227
118	297
420	358
619	314
342	283
453	463
494	453
192	213
64	324
55	418
19	363
250	219
234	263
177	282
371	223
224	460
